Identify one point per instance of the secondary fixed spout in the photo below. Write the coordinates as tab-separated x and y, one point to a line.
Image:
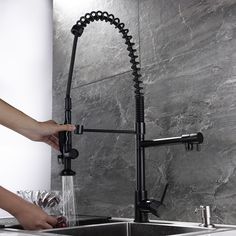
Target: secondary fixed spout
143	205
188	139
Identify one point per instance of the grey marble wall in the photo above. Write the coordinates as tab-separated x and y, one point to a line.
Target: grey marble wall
187	50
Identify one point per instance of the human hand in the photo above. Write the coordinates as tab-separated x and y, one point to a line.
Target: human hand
47	132
25	125
32	217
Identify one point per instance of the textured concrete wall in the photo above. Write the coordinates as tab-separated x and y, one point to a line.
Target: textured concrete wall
187	50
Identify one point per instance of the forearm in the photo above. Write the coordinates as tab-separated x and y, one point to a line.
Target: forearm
17	120
29	215
10	202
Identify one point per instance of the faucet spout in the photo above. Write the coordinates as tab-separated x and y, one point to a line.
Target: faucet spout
189	139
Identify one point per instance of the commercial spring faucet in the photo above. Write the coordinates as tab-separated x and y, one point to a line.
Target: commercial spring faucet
143	205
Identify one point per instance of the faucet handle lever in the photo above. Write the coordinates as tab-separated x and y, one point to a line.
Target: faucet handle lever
153	206
150	205
164	193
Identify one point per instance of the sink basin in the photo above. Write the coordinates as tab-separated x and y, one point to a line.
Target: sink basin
126	229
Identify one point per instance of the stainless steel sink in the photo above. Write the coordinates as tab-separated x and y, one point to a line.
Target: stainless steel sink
126	229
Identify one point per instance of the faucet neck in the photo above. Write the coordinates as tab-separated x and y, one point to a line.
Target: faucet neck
71	69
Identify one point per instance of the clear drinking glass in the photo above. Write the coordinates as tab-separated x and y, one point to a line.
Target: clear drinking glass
52	202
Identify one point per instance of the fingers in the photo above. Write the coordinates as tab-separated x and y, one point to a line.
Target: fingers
53	141
49	132
45	226
53	126
52	220
67	127
48	223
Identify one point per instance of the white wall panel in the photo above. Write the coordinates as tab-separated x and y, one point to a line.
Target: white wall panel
26	83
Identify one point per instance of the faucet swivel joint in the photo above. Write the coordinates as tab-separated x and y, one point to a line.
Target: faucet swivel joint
77	30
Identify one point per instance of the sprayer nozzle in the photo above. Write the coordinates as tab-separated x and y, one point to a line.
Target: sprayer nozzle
67	172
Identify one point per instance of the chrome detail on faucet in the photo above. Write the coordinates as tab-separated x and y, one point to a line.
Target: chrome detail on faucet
205	216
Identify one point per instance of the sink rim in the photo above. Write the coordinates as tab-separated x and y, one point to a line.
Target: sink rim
128	224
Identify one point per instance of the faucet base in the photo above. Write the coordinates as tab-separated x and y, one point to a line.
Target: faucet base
210	226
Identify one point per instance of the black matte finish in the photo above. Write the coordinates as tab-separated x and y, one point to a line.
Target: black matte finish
187	138
80	130
143	205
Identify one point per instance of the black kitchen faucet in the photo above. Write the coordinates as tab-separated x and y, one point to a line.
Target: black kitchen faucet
143	205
